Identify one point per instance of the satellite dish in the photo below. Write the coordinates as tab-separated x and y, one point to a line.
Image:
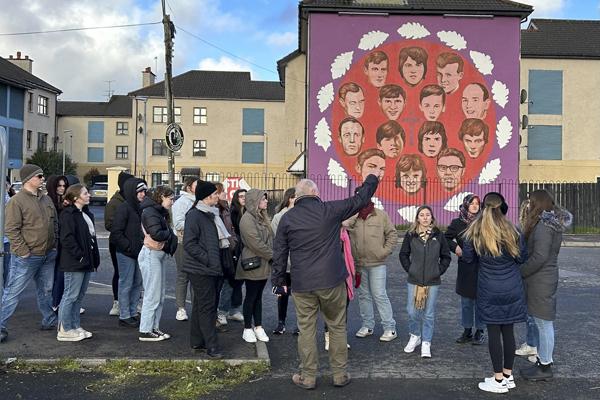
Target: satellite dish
523	96
524	122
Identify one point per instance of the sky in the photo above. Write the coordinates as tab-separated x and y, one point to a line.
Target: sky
231	35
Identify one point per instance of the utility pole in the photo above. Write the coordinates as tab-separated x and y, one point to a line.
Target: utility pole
169	32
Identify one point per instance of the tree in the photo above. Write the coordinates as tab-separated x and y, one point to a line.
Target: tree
87	178
51	162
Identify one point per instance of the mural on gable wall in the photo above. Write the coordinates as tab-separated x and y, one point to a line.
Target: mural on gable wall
432	103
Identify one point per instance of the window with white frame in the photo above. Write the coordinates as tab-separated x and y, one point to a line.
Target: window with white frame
122	128
159	148
42	105
200	116
199	147
213	177
159	115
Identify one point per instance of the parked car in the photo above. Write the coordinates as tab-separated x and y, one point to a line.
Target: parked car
16	187
99	193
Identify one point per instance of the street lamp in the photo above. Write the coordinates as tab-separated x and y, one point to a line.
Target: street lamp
145	100
65	146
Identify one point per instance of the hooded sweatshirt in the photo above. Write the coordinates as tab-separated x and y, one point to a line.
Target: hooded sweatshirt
115	200
126	233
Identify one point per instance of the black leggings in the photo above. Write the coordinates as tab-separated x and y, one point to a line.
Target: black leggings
499	335
253	302
112	249
282	301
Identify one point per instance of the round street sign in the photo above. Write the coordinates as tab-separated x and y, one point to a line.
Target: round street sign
174	137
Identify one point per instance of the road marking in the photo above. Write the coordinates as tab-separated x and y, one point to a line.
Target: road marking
110	286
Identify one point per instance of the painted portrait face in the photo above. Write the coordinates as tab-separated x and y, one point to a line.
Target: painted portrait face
377	73
413	72
351	137
450	171
432	106
392	106
474	145
373	165
354	104
449	77
391	147
411	180
473	105
432	144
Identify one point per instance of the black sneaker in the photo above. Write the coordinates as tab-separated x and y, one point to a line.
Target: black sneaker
161	333
479	338
280	330
466	337
214	353
3	335
129	322
150	337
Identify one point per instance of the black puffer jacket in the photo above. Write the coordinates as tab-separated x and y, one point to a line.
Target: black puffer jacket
78	248
425	262
126	233
201	255
466	276
155	222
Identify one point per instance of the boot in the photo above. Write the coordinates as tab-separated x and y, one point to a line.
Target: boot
539	372
466	337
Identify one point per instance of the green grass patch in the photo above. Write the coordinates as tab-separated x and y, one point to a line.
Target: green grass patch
578	230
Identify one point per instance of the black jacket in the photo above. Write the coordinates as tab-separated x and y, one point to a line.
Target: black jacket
78	248
466	276
154	220
425	262
126	233
310	234
201	254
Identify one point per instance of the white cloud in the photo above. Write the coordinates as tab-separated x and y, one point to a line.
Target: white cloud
546	8
281	39
222	64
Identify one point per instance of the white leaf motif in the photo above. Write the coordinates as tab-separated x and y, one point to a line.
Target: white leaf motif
341	65
377	203
453	39
323	134
408	213
500	92
336	173
482	61
325	96
413	30
372	39
503	132
490	172
453	205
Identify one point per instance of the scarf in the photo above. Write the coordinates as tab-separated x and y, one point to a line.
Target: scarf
424	233
466	216
421	293
366	211
221	229
349	261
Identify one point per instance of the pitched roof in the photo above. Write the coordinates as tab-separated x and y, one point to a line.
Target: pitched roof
17	76
282	64
561	38
117	106
217	85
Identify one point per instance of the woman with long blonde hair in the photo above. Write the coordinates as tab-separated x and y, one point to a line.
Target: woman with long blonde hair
494	242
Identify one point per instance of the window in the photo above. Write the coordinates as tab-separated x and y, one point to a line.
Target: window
159	148
545	92
199	148
42	141
253	121
160	178
159	115
29	101
95	131
213	177
253	152
95	154
178	115
122	152
42	105
544	142
29	134
200	116
122	128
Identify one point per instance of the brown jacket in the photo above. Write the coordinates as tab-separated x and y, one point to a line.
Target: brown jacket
31	224
373	239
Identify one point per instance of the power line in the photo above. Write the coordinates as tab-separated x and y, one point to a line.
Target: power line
79	29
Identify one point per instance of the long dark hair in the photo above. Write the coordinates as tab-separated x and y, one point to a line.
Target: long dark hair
287	195
539	201
235	201
52	185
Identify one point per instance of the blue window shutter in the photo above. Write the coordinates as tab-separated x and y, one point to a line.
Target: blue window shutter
253	121
17	103
3	99
253	152
544	142
95	131
95	154
15	144
545	92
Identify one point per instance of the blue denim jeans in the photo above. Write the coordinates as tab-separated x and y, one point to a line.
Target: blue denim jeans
130	286
372	287
6	264
225	305
545	346
22	271
532	332
469	314
76	284
153	269
420	322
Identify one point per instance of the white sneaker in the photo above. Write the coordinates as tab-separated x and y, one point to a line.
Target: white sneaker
426	350
261	334
72	335
532	359
526	350
413	342
388	336
326	341
491	385
237	316
85	333
81	311
364	332
181	315
114	311
221	319
249	336
510	381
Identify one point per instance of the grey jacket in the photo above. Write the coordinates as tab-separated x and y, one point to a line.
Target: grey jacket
540	272
425	262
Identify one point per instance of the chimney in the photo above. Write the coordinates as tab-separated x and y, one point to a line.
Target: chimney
148	77
25	63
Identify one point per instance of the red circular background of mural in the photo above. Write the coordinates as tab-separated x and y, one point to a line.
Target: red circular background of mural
411	120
